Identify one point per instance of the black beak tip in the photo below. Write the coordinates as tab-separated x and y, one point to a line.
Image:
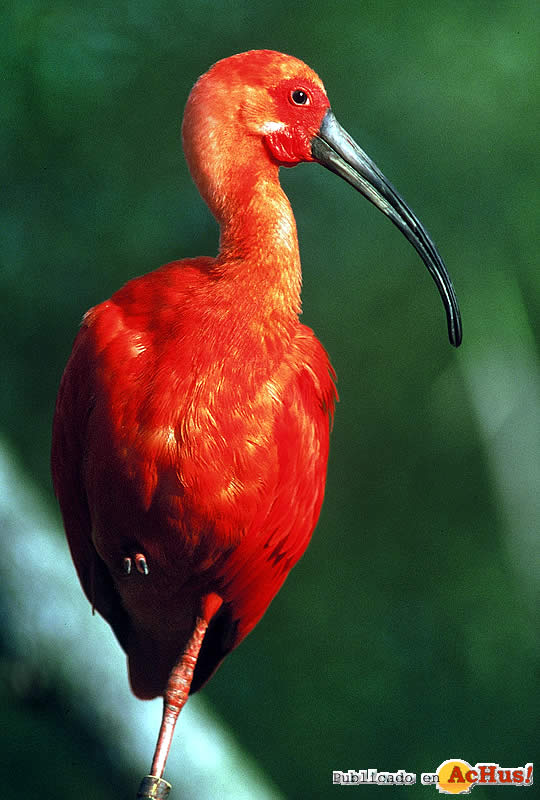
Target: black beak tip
455	331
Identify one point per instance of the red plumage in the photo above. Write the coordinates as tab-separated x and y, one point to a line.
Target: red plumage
192	419
184	435
191	431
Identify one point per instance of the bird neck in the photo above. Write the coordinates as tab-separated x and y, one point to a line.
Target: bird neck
259	245
258	264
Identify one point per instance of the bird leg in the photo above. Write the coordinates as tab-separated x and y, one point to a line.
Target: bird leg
176	694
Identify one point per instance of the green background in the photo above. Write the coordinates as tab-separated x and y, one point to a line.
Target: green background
408	633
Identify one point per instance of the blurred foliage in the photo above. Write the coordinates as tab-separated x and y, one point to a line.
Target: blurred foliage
407	635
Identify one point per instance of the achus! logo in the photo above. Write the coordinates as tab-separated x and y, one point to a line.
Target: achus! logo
456	776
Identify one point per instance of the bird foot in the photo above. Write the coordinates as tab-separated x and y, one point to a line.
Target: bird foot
141	564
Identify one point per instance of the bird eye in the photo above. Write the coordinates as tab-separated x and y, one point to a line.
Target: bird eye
299	97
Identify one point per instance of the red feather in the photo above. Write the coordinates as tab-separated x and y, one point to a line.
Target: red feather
182	435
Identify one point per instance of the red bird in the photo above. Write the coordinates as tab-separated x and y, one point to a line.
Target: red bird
191	430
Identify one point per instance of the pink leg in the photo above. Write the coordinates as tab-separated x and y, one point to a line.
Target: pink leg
176	694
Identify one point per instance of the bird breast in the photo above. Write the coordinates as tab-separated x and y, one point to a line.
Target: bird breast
187	442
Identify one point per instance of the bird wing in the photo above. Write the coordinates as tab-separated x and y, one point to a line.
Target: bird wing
74	407
247	576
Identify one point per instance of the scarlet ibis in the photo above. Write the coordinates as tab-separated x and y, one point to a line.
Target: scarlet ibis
191	430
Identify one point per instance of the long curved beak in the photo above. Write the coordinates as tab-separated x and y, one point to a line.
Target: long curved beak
335	149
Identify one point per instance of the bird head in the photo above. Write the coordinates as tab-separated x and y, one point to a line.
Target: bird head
254	112
250	111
